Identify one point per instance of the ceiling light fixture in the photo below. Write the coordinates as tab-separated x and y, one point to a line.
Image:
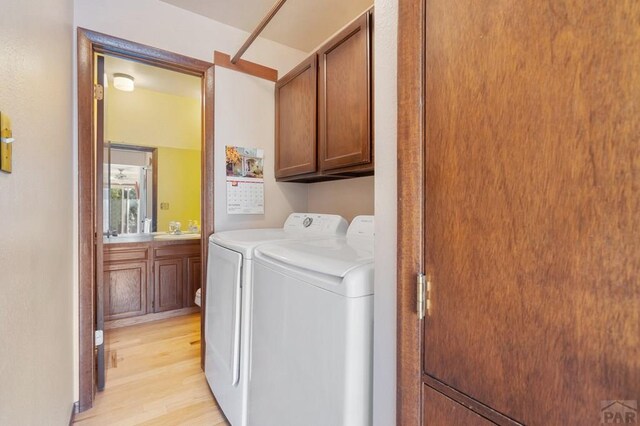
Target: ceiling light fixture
123	82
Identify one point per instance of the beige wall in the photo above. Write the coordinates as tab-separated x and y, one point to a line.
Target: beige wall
348	197
36	284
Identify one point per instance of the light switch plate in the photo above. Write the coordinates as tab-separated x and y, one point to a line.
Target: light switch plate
6	149
5	157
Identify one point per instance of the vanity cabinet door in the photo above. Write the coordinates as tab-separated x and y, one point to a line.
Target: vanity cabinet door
194	280
168	284
344	100
125	290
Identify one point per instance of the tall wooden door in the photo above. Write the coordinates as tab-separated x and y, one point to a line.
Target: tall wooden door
102	181
531	212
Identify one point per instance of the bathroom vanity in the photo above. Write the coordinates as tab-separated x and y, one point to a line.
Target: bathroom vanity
146	275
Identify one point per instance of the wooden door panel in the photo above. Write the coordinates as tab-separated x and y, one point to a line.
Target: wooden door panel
439	410
296	105
532	205
168	284
344	132
125	288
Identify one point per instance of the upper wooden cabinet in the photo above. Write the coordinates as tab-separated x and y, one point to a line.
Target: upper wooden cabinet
296	152
344	113
323	111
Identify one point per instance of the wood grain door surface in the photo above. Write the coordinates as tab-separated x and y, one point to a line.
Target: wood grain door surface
532	229
344	98
168	284
296	105
125	290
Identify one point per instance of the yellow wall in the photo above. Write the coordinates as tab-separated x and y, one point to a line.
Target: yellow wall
172	124
147	118
178	185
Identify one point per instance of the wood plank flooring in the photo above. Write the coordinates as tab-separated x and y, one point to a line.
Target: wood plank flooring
154	377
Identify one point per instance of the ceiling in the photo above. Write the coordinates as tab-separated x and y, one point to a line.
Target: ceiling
301	24
154	78
124	174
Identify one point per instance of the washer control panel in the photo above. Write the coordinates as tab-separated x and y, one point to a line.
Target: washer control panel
328	224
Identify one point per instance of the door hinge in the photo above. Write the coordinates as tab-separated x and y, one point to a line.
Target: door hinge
423	292
98	92
99	337
153	304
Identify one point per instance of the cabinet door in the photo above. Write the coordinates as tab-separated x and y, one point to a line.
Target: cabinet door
439	410
344	124
531	207
194	280
125	290
296	95
168	284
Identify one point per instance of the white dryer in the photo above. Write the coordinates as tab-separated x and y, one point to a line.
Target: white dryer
228	298
312	331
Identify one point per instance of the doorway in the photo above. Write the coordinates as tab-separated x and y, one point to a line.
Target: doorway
91	183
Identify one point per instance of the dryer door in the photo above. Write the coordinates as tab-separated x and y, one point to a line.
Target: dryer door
222	325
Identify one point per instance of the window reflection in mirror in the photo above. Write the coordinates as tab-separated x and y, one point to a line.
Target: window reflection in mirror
129	197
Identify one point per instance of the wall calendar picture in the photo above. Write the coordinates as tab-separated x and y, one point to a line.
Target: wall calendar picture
245	180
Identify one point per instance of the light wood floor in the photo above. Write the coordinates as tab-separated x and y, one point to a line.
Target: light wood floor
154	377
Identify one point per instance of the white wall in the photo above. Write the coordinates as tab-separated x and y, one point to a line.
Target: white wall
244	116
385	112
347	197
164	26
36	285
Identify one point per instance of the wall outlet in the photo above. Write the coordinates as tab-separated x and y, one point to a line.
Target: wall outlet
164	206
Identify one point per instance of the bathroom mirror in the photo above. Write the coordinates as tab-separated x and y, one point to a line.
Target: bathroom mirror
130	189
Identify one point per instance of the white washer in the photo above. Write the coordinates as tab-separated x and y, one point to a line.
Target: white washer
228	298
312	331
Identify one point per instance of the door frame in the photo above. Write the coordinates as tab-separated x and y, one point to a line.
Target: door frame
412	154
89	43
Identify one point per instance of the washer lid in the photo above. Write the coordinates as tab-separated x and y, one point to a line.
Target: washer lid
297	226
335	257
245	240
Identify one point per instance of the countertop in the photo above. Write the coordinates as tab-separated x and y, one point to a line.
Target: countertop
155	236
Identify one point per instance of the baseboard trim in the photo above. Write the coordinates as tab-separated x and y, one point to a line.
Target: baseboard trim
125	322
75	409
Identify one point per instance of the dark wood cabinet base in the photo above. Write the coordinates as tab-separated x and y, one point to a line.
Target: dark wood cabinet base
147	278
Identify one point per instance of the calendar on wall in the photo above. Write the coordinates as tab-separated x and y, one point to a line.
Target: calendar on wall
245	180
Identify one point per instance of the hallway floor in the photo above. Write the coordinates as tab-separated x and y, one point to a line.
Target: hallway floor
154	377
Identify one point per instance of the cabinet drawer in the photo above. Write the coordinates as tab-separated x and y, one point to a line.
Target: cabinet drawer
125	254
177	250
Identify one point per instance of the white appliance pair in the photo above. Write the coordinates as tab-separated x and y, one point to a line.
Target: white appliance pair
288	322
